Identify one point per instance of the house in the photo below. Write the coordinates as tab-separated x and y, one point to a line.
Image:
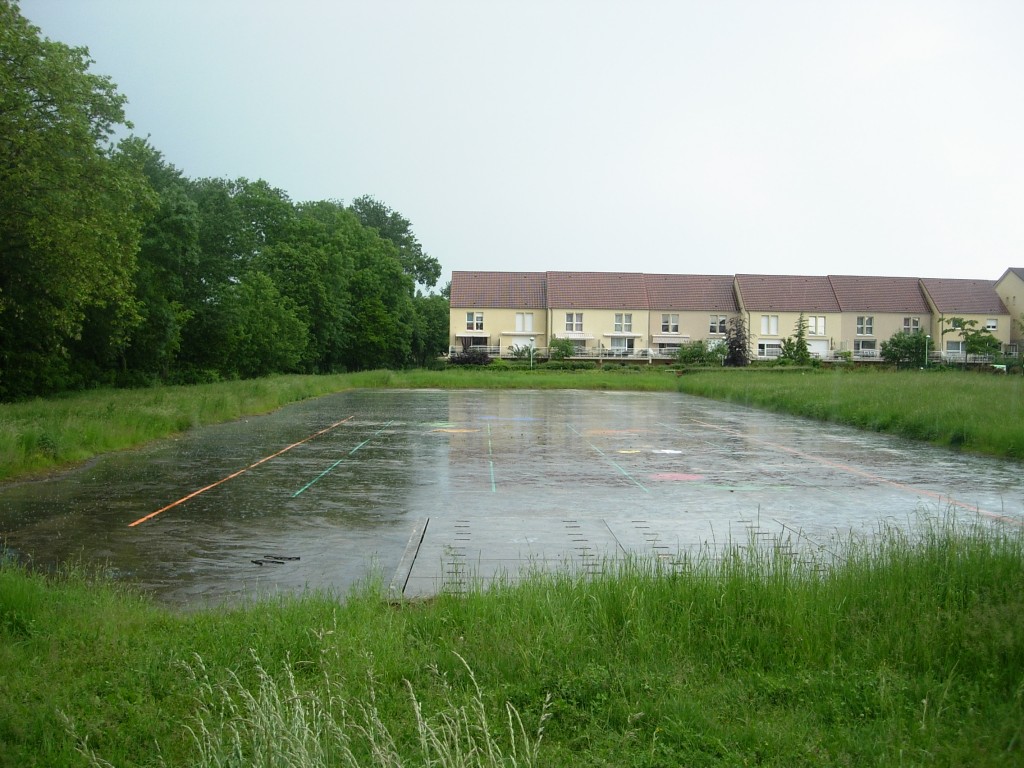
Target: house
603	313
1010	288
497	311
638	315
772	305
971	300
687	308
875	308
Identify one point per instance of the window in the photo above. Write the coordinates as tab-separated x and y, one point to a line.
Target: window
622	346
667	349
865	325
954	348
769	348
816	325
524	322
670	323
769	325
623	322
992	324
574	321
911	324
864	347
717	324
474	321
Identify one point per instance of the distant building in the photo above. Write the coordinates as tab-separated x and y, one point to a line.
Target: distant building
632	315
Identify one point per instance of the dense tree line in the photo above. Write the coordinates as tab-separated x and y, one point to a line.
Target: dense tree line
115	268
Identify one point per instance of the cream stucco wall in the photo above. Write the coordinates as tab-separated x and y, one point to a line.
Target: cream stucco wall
500	326
817	342
1011	290
599	326
884	325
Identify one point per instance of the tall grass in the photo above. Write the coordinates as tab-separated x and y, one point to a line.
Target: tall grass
907	648
969	411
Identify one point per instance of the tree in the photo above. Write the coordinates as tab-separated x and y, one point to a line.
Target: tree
737	343
701	352
430	328
392	226
976	341
794	349
265	333
560	349
70	206
905	349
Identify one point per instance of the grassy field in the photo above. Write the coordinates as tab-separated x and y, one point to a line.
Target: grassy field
909	651
964	410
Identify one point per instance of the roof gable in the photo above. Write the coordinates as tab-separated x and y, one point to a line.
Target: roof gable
691	293
879	294
970	297
505	290
596	290
787	293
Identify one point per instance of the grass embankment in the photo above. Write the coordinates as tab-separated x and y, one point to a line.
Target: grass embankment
907	653
964	410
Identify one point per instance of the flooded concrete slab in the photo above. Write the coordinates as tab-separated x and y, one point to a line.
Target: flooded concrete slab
428	490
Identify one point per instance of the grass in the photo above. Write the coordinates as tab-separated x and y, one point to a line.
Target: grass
963	410
907	649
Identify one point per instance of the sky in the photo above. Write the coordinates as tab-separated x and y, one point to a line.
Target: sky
712	137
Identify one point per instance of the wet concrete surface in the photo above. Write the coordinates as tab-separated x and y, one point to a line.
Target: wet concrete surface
431	490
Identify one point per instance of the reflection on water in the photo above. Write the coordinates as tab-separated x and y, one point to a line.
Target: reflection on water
340	506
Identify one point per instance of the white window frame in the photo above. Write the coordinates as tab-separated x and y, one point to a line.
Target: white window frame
816	325
769	325
716	323
623	322
865	325
574	322
763	348
524	322
911	324
669	323
992	324
860	346
474	321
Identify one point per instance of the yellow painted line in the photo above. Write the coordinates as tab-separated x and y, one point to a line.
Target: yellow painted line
233	475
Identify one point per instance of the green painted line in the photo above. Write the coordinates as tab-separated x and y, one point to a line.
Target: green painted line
615	464
331	468
490	459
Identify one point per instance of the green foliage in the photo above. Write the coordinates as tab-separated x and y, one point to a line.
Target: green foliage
904	349
701	352
977	341
561	349
71	208
392	226
794	348
737	343
116	269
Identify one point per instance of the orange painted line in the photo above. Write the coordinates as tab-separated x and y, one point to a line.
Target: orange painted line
862	473
233	475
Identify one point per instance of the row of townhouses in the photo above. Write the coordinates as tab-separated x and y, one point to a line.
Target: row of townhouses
616	314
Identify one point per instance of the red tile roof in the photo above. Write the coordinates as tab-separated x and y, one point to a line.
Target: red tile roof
785	293
971	297
596	290
879	294
691	293
510	290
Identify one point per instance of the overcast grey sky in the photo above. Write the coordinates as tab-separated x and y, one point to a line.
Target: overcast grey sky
875	138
